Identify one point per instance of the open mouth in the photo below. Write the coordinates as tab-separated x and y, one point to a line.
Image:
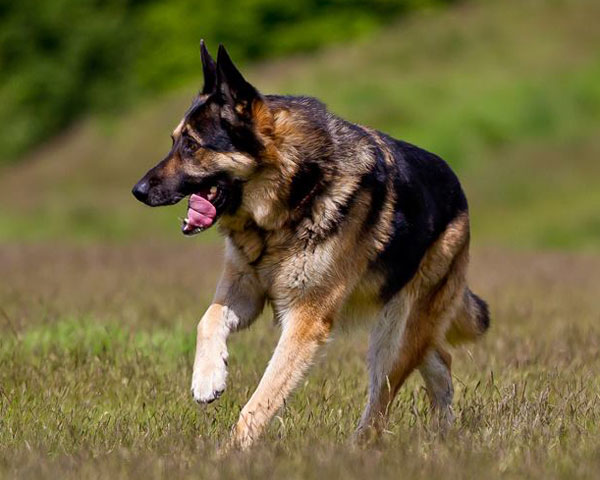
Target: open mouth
202	210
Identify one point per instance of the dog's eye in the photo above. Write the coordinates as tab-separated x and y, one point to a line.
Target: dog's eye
189	145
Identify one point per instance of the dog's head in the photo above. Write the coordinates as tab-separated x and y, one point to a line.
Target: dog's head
216	148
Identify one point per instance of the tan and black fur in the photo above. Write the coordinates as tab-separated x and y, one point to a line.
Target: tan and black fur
323	219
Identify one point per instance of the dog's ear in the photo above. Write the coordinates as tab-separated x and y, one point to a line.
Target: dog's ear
243	109
209	68
235	91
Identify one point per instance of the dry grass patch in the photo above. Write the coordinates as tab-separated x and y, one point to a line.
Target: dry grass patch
96	347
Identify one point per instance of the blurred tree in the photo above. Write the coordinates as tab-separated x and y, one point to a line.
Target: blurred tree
62	58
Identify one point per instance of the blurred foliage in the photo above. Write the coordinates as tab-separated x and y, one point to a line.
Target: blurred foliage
62	58
508	93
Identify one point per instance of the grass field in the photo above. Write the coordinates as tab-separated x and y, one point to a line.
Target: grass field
96	362
99	297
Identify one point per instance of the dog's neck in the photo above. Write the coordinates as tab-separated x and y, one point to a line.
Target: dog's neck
264	202
266	196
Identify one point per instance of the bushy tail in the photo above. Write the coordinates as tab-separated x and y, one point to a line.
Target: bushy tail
471	321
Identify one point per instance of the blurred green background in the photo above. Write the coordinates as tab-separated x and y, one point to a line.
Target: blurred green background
507	92
62	59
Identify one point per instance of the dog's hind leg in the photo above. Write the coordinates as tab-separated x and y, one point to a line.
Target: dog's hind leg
397	345
412	322
435	370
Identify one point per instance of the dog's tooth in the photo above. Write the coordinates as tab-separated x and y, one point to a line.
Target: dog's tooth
212	193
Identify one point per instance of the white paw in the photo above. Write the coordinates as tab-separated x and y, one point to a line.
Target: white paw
210	374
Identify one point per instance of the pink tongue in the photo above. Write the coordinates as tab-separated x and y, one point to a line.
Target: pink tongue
201	213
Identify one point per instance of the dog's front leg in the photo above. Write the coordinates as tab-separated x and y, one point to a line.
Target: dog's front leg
237	303
210	362
304	329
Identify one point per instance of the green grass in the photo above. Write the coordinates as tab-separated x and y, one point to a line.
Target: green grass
507	92
96	368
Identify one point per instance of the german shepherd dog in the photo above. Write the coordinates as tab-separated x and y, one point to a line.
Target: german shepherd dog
323	219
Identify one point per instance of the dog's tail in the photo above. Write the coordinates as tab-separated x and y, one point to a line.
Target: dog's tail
471	321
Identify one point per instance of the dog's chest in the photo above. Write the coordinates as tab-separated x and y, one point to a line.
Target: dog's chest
277	257
251	243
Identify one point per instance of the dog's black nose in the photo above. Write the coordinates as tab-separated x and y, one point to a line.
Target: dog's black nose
140	190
